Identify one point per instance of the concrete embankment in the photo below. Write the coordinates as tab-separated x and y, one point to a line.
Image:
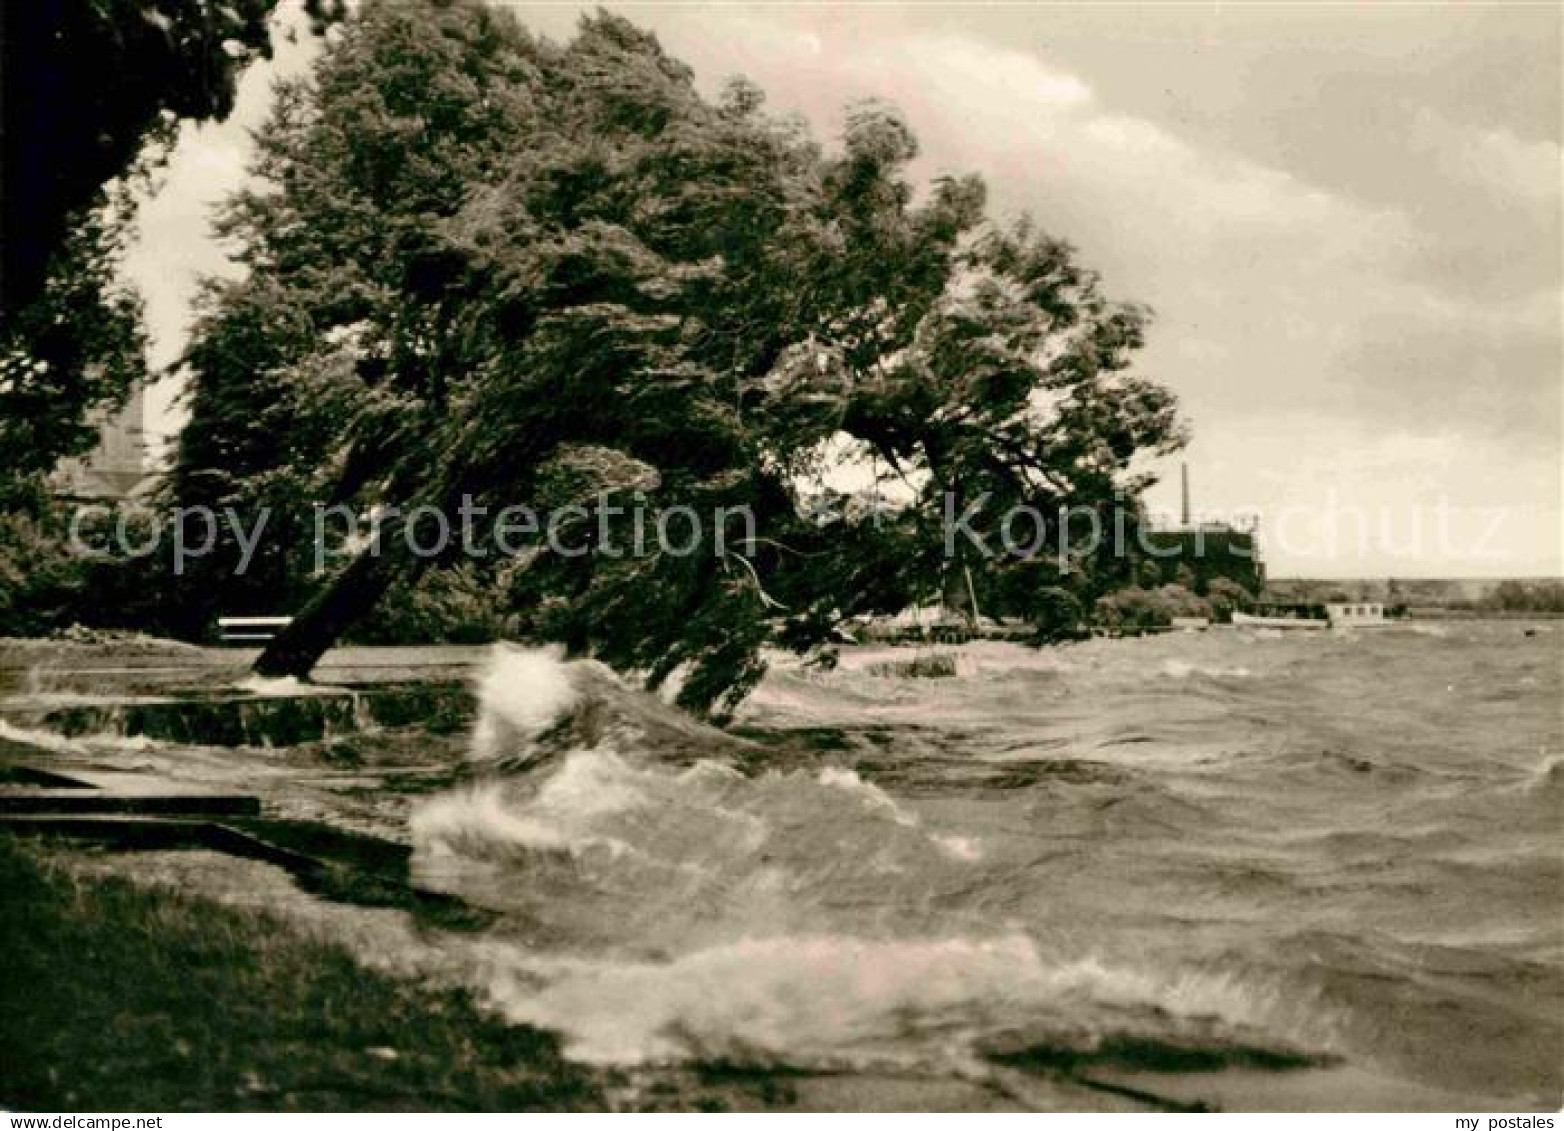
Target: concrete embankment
306	715
181	693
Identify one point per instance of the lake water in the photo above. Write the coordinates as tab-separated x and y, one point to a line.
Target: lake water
1229	867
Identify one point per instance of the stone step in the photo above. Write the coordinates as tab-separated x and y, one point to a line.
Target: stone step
11	775
331	863
132	831
22	800
253	720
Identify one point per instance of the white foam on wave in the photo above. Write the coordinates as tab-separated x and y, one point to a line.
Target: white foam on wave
833	999
61	697
959	847
564	814
47	739
79	744
872	796
1547	774
521	692
793	694
597	798
129	743
591	800
975	658
284	686
1183	669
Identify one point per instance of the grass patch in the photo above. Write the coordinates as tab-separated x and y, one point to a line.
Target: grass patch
122	998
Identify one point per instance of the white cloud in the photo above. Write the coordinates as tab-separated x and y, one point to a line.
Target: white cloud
1494	159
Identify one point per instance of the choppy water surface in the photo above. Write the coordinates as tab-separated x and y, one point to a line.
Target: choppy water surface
1229	852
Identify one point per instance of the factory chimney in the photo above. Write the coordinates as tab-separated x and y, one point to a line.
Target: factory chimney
1184	472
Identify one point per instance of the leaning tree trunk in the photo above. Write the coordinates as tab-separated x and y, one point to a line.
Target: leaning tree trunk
350	596
955	596
354	593
336	608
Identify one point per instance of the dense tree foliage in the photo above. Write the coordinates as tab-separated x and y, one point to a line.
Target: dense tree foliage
93	93
1516	596
76	347
489	269
1136	608
87	83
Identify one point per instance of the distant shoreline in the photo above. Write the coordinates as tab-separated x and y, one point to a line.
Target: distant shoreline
1416	612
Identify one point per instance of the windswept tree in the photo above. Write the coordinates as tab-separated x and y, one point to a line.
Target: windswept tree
329	373
487	269
985	378
477	253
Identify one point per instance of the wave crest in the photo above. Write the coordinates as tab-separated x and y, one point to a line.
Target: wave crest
521	692
824	999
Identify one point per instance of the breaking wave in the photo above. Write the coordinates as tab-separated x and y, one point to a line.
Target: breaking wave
1188	853
832	1001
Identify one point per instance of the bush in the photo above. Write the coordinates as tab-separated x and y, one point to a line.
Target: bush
1057	615
1226	596
46	585
1149	608
39	581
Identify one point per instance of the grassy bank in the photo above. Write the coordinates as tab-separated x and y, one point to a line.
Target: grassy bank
119	997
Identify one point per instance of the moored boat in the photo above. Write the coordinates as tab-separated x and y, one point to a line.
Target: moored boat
1282	619
1338	615
1357	614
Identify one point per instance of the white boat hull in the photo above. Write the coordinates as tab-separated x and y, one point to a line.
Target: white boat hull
1245	620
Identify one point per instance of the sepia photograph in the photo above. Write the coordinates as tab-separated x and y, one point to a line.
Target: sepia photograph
781	557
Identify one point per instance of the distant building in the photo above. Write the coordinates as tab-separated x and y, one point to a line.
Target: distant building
1197	556
116	469
1195	553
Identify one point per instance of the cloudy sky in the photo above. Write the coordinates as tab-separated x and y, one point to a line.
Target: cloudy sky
1347	219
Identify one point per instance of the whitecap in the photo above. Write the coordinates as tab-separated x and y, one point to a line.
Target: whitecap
831	999
521	692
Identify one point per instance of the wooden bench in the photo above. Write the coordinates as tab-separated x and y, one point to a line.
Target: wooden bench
250	630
